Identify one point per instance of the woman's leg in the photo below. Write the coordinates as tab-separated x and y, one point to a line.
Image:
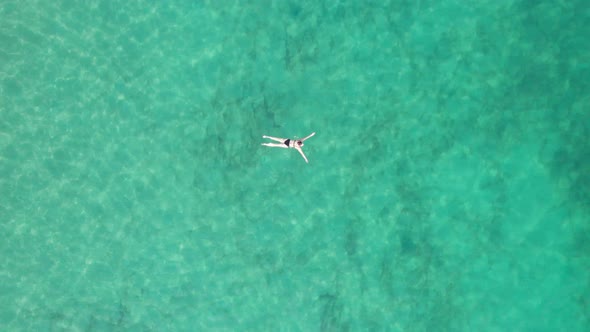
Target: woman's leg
275	138
275	145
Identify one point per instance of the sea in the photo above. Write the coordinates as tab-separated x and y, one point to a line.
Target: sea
447	189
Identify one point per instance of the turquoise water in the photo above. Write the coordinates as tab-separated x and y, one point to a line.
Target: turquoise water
447	189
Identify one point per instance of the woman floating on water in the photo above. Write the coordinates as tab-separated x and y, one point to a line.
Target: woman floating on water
288	143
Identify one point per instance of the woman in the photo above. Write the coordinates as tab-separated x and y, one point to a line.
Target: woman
288	143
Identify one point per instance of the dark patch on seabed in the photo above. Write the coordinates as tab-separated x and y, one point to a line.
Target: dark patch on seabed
331	313
571	161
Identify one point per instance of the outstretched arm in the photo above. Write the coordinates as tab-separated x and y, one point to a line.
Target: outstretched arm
302	154
308	136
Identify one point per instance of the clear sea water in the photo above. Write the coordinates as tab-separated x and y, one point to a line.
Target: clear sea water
448	187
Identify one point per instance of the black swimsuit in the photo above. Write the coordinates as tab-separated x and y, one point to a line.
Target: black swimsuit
287	142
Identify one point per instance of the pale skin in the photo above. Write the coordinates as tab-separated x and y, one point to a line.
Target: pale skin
286	143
